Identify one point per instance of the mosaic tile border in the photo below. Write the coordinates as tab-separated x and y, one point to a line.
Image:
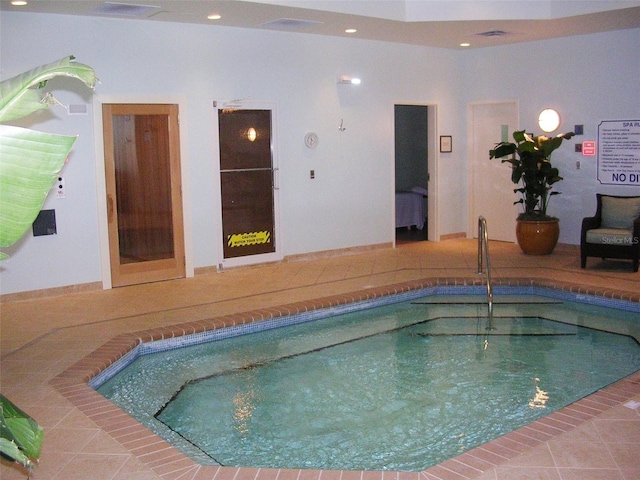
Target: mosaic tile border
315	314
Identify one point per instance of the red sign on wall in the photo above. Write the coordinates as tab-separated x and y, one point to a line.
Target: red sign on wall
589	148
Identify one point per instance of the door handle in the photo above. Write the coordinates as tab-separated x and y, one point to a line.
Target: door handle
109	208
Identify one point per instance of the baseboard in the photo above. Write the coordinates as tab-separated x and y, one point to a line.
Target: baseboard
337	252
305	256
453	236
90	287
205	270
50	292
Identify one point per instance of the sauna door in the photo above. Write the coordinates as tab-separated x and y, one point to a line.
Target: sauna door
144	201
248	188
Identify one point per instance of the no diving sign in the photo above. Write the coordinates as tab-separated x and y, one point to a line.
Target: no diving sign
619	152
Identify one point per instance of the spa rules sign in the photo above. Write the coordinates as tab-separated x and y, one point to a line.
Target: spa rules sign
619	152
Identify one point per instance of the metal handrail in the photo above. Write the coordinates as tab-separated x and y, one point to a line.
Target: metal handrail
483	255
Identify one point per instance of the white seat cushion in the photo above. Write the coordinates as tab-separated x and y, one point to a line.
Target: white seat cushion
610	236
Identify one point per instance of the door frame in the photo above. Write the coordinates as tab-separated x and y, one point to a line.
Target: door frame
101	185
433	156
278	255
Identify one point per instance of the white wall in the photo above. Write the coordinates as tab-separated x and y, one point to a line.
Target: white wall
587	78
348	204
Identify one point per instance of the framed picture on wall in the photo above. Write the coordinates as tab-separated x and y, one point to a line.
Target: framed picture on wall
445	143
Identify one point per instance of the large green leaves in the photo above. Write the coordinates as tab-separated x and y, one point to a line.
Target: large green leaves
21	95
21	437
530	159
29	160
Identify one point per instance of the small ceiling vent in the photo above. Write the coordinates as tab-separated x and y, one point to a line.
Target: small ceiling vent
493	33
291	24
125	9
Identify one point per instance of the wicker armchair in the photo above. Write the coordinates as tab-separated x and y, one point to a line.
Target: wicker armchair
614	231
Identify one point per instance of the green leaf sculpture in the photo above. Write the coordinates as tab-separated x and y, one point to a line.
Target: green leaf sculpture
30	160
21	438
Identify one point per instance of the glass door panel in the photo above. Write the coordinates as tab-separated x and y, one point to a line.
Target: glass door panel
143	188
247	182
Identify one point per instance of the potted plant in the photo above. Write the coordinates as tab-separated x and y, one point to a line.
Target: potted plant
30	161
21	438
530	158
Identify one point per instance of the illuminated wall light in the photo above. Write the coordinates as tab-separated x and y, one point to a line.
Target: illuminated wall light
465	44
348	80
252	134
549	120
350	30
214	16
18	3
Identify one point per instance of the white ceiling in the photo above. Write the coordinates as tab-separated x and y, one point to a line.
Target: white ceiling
436	23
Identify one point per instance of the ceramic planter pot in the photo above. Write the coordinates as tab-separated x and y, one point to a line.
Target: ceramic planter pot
537	237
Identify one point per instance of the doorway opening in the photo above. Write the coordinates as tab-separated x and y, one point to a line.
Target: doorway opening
412	149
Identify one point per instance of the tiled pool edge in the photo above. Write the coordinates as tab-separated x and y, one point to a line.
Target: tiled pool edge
170	463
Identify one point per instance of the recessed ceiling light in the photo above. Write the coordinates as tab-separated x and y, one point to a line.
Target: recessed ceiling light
465	44
18	3
350	30
214	16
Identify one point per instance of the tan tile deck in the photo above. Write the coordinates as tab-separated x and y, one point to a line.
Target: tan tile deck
52	346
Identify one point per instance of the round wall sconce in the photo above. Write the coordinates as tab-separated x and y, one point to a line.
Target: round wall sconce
549	120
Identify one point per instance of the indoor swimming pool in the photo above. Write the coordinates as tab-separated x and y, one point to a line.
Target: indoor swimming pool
377	385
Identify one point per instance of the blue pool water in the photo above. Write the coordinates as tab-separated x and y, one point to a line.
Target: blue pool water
398	387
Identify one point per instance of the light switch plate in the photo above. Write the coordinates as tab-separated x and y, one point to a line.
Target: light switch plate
61	191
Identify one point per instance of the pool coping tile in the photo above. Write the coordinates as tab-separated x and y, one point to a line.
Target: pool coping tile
170	463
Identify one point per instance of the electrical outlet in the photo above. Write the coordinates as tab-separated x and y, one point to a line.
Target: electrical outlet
578	165
578	148
312	174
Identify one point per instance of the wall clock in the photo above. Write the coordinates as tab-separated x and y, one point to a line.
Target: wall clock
311	140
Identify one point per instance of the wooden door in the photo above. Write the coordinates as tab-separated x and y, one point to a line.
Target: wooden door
144	200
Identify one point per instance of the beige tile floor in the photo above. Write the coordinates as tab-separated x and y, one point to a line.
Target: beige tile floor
42	339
